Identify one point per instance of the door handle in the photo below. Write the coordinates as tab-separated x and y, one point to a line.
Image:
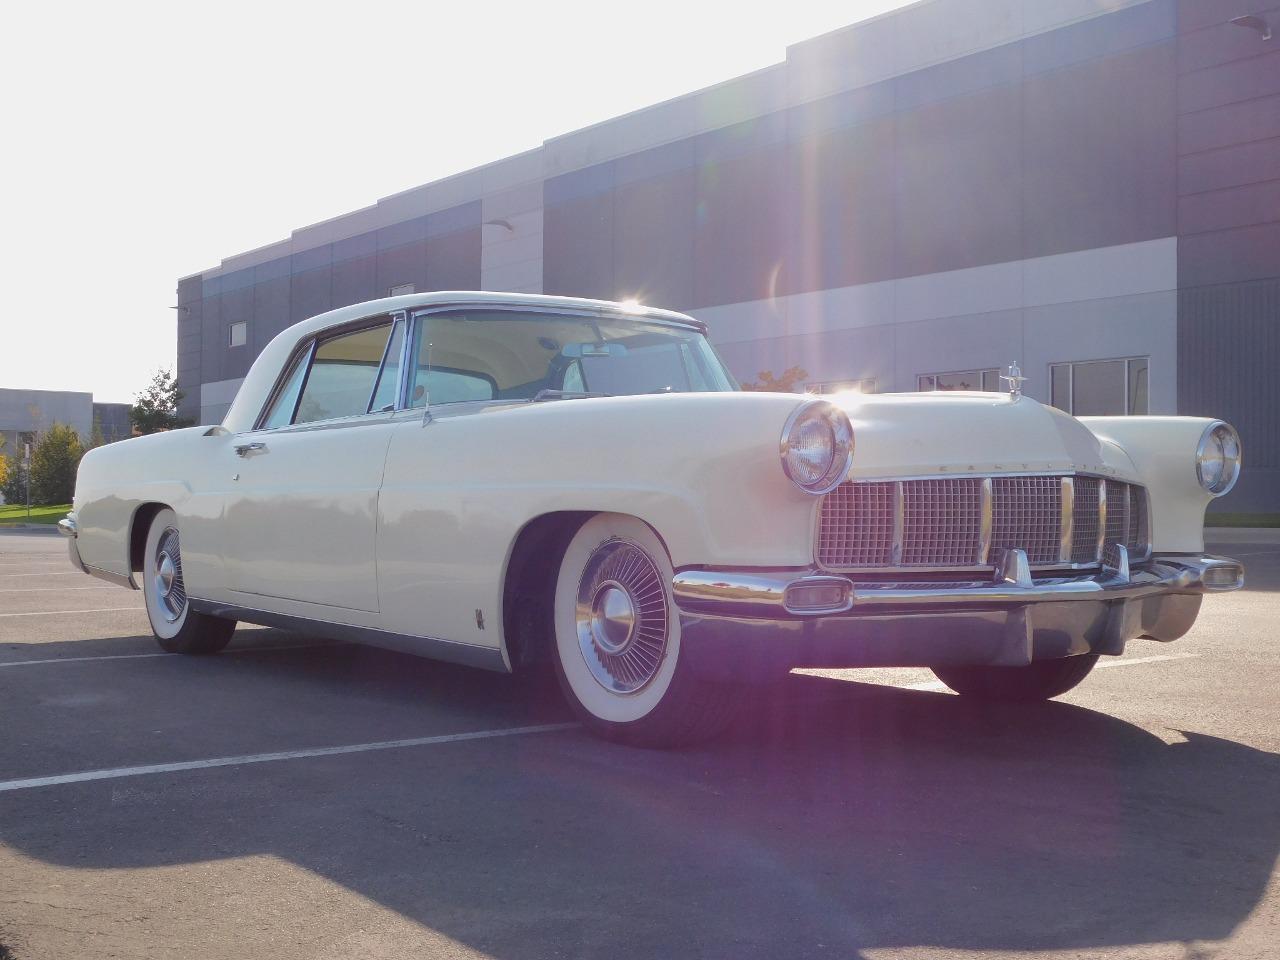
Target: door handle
243	449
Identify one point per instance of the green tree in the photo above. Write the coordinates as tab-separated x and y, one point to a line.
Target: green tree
786	383
53	465
156	407
13	479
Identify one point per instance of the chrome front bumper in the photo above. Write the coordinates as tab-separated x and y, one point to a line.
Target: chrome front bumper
742	623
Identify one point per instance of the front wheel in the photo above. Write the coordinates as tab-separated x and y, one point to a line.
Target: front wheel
1040	680
617	641
177	628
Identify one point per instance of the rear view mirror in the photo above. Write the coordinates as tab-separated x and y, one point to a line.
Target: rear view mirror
601	349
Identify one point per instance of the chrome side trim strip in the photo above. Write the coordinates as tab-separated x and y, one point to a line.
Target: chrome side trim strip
1102	521
1066	520
118	579
899	522
987	512
467	654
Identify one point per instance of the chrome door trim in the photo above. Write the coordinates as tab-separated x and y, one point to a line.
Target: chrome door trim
451	651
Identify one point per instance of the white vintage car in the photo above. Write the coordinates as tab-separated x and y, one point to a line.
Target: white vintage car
506	480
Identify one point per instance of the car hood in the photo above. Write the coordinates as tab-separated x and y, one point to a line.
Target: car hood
927	434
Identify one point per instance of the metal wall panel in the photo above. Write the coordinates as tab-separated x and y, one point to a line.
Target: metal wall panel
1229	342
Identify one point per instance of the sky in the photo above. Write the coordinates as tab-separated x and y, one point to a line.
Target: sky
143	142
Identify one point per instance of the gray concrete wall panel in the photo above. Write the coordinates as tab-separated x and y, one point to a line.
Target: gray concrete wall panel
453	260
959	183
653	238
310	293
1258	76
1098	153
354	280
1245	206
1230	335
577	242
1228	125
406	263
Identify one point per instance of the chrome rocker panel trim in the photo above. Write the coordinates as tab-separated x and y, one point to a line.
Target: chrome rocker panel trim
467	654
735	624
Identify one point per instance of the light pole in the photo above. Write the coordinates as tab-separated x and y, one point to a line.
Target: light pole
26	469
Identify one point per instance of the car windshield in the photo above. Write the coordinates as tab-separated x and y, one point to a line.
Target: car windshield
468	356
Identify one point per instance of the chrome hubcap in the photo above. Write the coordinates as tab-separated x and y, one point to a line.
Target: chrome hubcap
613	618
622	617
171	594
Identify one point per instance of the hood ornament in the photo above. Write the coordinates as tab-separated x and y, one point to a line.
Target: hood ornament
1015	378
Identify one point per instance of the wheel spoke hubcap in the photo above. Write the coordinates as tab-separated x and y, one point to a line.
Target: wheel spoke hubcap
171	594
622	617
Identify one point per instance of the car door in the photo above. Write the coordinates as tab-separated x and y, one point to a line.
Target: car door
300	520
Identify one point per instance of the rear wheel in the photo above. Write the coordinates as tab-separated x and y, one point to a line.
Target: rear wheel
1040	680
177	628
617	640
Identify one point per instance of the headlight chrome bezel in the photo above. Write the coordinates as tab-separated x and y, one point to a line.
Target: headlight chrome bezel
841	431
1226	482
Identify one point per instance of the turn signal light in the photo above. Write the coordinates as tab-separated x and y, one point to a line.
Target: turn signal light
1226	576
818	596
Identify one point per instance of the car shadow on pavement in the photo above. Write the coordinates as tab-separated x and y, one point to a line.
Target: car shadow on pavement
835	817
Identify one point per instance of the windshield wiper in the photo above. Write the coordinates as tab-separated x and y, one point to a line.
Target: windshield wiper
546	394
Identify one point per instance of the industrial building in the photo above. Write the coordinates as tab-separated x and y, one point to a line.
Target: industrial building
25	414
1090	189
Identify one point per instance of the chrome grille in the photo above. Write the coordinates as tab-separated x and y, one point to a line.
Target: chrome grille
939	522
855	526
1027	514
1084	531
1117	512
1139	533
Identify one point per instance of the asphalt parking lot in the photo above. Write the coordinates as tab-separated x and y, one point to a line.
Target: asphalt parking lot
264	803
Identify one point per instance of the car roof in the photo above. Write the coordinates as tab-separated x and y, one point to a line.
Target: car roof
470	298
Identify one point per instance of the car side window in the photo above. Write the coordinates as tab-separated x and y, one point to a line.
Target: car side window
281	412
384	394
342	376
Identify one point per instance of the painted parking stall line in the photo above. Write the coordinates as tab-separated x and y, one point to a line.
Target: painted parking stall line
32	783
53	613
149	656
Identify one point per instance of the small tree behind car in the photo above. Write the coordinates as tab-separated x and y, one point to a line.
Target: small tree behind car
156	407
53	465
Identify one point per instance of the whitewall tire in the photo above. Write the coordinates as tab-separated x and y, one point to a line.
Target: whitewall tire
177	628
617	640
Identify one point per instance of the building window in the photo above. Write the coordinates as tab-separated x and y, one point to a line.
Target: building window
988	380
865	385
1100	388
400	289
239	335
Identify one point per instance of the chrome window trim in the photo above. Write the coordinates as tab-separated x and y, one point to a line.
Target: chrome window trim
899	522
417	314
310	343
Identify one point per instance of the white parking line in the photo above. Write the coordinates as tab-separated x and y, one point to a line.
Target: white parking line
98	586
120	772
938	685
146	656
51	613
60	573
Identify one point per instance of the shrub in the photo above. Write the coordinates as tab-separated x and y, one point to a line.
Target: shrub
53	465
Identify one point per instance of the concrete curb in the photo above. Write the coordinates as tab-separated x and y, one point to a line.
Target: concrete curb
45	528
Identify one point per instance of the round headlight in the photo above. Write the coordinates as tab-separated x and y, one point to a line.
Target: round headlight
1218	458
817	446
